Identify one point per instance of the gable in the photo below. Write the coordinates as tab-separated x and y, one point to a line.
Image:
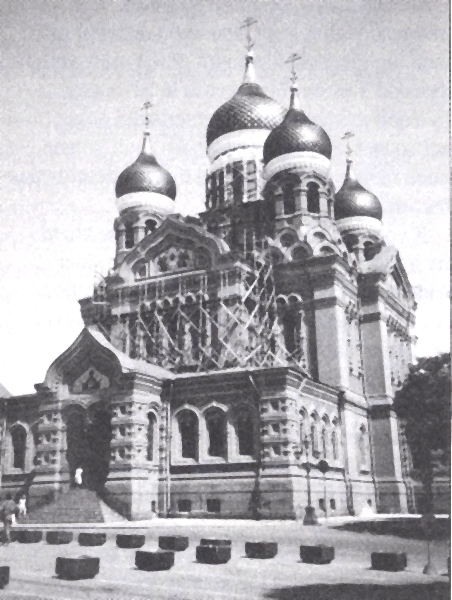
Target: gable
173	247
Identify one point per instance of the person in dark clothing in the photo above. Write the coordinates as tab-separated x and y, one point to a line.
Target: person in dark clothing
8	509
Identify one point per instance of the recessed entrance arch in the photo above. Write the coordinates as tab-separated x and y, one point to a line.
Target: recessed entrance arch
88	435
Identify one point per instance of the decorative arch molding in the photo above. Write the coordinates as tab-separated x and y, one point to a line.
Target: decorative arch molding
215	404
175	233
27	451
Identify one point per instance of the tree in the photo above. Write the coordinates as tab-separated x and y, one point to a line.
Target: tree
423	407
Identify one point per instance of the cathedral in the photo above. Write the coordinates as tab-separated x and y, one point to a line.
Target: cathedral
240	363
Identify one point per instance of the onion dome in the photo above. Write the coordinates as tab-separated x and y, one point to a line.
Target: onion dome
296	133
249	108
353	200
146	175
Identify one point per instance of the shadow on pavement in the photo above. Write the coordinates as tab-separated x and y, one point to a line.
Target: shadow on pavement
404	528
355	591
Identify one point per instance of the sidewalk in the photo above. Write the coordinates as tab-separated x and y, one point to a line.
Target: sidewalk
157	523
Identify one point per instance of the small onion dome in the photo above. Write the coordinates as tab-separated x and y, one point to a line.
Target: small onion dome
353	200
249	108
146	175
296	133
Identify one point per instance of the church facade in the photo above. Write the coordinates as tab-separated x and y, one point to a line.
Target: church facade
239	363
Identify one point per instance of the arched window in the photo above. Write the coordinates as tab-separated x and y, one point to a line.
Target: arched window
216	428
245	432
324	443
189	434
221	188
288	198
315	441
334	444
19	441
313	197
149	226
302	430
369	251
129	241
237	183
151	436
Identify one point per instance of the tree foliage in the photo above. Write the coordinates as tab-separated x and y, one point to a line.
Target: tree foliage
423	406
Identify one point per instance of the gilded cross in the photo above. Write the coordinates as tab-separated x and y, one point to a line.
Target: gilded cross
292	60
147	109
347	137
247	24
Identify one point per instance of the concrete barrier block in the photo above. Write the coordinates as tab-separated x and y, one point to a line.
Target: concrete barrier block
175	543
29	536
261	549
4	576
81	567
388	561
162	560
213	555
130	541
92	539
59	537
317	555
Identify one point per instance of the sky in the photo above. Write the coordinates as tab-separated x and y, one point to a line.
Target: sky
77	72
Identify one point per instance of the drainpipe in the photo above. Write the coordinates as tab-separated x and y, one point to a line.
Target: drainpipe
256	494
167	506
347	480
4	406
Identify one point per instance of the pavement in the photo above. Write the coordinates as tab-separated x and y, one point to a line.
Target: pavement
284	577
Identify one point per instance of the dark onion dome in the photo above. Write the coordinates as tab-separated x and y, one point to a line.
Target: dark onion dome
297	133
353	200
249	108
146	175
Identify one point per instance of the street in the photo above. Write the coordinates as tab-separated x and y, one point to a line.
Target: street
348	577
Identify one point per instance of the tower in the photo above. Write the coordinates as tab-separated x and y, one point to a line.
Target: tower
145	194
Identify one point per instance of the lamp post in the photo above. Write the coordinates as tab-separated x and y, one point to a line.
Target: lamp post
323	467
310	518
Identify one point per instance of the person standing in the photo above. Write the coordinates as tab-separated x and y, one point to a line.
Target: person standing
8	511
22	506
78	477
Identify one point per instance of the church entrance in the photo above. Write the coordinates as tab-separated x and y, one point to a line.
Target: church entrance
88	435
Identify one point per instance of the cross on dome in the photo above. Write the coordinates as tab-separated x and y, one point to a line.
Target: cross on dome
147	109
292	60
248	24
349	150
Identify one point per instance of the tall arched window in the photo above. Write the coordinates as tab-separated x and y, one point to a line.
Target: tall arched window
221	188
189	433
313	197
315	442
325	440
216	428
335	442
289	198
302	432
245	432
129	241
149	226
324	443
151	436
19	442
237	183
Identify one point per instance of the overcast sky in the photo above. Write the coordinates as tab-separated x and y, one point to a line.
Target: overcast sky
76	73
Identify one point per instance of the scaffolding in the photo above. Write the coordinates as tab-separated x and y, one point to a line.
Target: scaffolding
199	321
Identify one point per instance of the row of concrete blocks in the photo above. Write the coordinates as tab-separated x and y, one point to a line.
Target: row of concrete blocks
210	551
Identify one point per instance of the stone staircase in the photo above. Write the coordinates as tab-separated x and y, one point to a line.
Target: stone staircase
78	505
